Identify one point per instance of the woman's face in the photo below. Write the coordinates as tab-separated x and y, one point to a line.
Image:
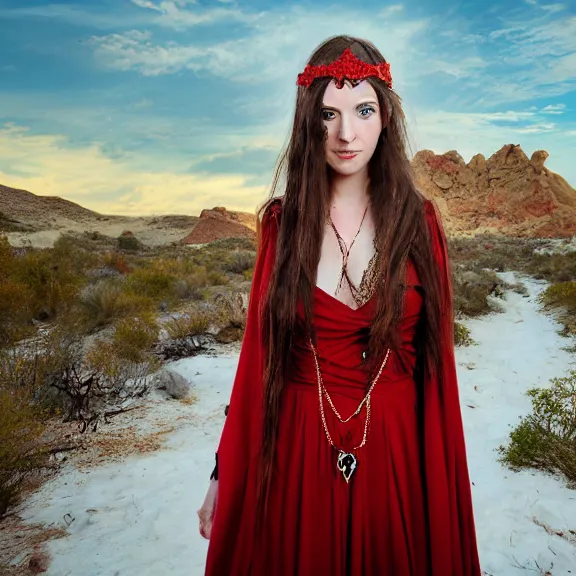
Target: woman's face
353	125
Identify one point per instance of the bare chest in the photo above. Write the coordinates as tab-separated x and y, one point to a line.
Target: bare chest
344	266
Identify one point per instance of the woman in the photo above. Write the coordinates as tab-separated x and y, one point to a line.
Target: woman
343	449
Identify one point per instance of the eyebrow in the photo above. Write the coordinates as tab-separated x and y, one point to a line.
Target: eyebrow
372	102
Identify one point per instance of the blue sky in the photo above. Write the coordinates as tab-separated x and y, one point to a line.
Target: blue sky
170	106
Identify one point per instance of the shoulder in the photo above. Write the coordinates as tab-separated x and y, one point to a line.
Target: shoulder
272	207
270	212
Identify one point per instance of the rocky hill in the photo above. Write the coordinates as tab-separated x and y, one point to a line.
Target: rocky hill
509	193
26	217
40	212
220	223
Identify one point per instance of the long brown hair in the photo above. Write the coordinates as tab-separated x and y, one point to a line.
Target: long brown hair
400	227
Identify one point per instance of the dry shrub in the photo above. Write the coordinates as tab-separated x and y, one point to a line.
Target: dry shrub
471	291
553	267
562	296
129	242
20	453
546	438
21	426
151	282
52	277
240	261
192	286
105	301
462	335
231	316
135	336
116	261
192	323
15	312
216	278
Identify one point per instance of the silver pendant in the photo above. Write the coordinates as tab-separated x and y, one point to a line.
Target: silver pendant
346	463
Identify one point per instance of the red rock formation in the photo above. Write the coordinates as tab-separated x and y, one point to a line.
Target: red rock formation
220	223
509	193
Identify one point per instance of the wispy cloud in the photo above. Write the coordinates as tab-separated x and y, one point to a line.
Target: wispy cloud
552	8
176	14
554	109
275	42
273	49
100	16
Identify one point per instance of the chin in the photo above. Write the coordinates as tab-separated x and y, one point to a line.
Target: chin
347	170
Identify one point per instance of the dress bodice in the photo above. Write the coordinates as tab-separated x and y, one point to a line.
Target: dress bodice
342	336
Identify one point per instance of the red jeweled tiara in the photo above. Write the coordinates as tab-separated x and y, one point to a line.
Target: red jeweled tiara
347	66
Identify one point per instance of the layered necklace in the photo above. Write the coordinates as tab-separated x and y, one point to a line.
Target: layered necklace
347	462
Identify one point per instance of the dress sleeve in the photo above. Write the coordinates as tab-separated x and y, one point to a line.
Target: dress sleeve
237	455
450	512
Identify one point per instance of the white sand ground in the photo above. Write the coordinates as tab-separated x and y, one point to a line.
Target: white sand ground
137	517
147	229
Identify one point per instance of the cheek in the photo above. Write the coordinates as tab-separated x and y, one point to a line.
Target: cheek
372	131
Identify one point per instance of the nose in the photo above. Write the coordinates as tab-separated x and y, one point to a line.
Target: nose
346	132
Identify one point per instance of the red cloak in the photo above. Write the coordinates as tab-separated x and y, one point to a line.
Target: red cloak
416	515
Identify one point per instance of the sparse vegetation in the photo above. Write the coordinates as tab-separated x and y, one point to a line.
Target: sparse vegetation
462	335
561	297
192	323
546	438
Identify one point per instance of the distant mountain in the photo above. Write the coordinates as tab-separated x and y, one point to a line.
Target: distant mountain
40	212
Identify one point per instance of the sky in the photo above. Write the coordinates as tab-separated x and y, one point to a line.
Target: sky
143	107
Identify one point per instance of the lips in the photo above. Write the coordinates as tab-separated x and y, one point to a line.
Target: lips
346	154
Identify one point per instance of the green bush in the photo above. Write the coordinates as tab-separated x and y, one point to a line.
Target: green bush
52	277
129	242
546	438
135	336
562	295
240	261
462	335
151	283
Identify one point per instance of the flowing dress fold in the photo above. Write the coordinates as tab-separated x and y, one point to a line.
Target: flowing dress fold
407	510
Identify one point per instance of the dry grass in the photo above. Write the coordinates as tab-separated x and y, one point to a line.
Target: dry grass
24	541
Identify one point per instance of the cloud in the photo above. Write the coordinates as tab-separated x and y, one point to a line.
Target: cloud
101	17
553	7
554	109
391	10
273	49
48	165
174	14
491	68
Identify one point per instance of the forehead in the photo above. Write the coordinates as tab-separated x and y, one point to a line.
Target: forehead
348	94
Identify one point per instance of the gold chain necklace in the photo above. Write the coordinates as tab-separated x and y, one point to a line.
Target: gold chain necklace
346	461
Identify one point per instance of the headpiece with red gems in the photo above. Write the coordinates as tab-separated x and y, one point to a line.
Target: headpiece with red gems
346	67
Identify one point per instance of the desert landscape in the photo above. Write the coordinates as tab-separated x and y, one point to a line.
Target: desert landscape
119	340
508	194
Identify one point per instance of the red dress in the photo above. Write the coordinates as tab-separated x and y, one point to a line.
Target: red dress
407	510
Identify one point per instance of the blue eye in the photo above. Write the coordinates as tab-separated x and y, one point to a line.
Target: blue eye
366	109
325	114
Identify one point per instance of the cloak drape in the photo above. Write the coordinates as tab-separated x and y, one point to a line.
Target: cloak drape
451	531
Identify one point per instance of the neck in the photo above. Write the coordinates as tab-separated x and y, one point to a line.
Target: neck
349	190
